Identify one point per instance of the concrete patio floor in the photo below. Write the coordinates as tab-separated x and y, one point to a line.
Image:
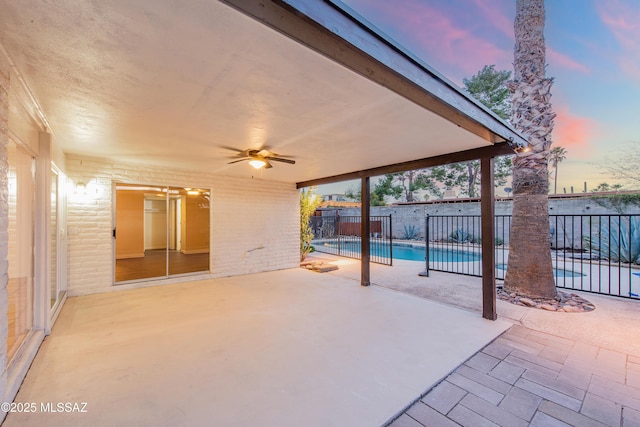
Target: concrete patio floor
612	325
285	348
549	369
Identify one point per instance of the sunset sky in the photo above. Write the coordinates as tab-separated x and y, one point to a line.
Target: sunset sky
593	53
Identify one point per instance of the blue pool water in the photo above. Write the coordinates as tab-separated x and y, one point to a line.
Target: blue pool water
444	255
558	272
411	253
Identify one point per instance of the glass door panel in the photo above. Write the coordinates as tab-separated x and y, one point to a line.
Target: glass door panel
141	232
20	248
53	230
188	230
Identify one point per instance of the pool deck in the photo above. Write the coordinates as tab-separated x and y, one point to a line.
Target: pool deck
587	275
549	369
531	378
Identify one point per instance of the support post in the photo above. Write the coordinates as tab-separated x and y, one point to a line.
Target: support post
487	209
365	232
425	273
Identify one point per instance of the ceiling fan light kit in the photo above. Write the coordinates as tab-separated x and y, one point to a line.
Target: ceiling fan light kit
260	158
257	163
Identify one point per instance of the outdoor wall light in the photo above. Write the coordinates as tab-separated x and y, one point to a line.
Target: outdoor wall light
81	189
524	149
257	163
84	190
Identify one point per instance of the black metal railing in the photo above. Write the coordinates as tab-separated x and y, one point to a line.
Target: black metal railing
592	253
340	235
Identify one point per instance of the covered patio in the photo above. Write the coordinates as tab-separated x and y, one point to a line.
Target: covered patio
166	94
279	348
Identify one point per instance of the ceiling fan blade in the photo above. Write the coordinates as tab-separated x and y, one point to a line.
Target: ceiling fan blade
238	152
280	159
264	153
241	160
267	165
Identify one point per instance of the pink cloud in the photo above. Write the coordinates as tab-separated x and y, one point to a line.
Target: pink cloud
443	41
495	17
504	24
631	67
438	36
623	20
574	133
565	61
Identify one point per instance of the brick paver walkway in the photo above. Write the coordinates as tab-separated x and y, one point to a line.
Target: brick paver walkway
530	378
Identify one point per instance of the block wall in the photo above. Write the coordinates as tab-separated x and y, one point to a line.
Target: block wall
254	224
407	216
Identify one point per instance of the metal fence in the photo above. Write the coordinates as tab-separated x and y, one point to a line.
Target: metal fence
340	235
592	253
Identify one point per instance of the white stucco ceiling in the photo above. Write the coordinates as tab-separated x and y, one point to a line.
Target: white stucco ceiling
177	84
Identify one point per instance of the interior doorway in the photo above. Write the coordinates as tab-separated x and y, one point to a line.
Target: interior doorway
160	231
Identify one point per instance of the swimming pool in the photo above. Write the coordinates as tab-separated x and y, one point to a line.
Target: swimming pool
557	272
437	255
409	253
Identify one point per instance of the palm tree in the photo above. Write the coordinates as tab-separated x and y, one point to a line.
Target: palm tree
556	155
530	271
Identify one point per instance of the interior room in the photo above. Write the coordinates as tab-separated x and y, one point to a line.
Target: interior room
160	231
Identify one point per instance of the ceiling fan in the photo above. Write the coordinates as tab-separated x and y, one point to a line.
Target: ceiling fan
260	158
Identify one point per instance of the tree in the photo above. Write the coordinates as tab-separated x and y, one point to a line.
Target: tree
529	270
404	185
624	167
556	155
603	186
309	202
489	87
375	198
466	175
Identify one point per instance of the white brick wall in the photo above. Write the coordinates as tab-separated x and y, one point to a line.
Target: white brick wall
4	213
254	223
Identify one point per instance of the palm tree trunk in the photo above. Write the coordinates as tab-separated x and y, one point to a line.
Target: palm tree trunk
472	172
555	179
529	270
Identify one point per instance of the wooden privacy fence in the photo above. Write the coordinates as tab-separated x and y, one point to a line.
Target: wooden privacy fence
348	228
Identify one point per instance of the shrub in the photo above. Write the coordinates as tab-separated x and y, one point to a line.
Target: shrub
460	236
618	241
410	233
309	202
478	240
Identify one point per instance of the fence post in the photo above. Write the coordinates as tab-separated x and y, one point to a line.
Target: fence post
337	223
425	273
390	241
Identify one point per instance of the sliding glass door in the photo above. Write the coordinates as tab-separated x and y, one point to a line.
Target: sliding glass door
160	231
20	248
53	229
58	244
